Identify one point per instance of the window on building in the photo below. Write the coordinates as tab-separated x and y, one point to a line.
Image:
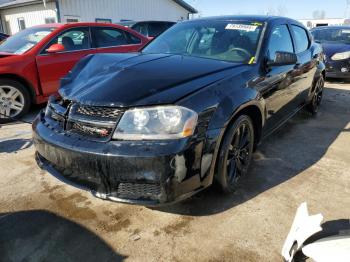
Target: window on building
301	39
50	20
21	23
72	20
103	20
280	41
73	40
110	37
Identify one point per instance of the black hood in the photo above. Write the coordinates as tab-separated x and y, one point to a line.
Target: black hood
332	48
140	79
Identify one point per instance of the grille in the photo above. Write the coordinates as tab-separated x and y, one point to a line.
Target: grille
95	111
92	131
90	121
137	191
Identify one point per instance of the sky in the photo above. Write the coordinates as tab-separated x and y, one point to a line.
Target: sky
298	9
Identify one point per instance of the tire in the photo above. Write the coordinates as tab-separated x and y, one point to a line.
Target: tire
315	103
235	153
14	100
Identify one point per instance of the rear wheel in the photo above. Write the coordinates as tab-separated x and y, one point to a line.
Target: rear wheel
235	153
14	100
315	103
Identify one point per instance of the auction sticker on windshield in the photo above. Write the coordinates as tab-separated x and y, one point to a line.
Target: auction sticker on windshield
243	27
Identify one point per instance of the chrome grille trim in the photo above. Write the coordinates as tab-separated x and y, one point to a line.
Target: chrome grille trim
89	121
102	112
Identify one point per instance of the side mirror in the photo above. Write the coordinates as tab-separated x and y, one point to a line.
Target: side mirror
283	58
56	48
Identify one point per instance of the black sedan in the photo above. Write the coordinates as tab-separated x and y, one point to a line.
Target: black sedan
150	29
159	126
335	41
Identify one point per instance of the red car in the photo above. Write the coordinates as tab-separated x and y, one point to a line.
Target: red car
33	61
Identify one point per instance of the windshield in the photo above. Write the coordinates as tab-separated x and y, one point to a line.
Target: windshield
24	40
339	35
233	41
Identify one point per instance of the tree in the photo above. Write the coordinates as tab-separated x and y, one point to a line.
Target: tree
271	11
282	10
319	14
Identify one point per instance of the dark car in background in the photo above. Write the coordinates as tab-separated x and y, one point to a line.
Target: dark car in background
3	37
159	126
335	41
150	29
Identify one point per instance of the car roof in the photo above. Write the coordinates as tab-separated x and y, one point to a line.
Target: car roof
69	25
255	18
58	26
154	21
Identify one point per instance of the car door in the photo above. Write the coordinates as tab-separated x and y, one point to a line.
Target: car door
278	85
53	66
114	40
307	62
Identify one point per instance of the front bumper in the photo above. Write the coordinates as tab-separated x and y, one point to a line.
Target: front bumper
146	173
338	69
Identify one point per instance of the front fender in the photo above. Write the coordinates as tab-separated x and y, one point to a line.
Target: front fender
219	105
234	103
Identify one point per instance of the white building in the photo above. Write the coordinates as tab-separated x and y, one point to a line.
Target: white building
311	23
15	15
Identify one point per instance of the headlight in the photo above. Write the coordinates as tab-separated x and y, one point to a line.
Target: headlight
341	56
156	123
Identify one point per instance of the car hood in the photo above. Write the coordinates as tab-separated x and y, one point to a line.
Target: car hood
3	54
331	48
140	79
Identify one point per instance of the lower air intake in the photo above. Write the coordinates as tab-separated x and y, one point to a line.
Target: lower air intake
138	191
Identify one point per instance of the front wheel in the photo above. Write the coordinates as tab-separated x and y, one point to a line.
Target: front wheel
235	153
14	100
315	103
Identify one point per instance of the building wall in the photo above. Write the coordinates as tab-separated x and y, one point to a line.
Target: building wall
33	15
311	23
116	10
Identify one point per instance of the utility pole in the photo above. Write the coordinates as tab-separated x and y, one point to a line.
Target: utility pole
347	8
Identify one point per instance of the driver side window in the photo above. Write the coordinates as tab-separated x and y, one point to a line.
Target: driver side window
73	39
280	40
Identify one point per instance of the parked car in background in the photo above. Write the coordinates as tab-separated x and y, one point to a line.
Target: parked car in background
150	29
335	41
3	37
161	125
33	61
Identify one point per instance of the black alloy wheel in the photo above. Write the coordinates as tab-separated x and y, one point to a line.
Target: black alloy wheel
315	103
236	153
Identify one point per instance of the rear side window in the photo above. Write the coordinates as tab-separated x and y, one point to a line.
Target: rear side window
141	28
112	37
155	29
280	41
301	39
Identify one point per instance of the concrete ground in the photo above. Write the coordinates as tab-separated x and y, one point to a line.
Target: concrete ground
42	219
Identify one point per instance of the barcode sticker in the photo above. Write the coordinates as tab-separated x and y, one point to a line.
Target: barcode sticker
243	27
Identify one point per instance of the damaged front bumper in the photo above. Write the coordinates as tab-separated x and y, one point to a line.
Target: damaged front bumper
148	173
